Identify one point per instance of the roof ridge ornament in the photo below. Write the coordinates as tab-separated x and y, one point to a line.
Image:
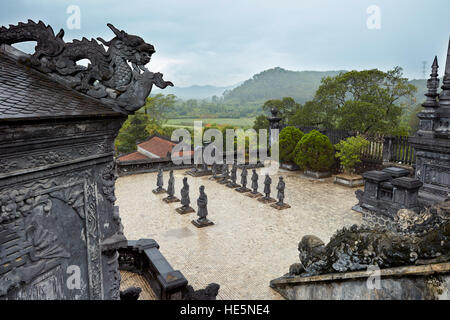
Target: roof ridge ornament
108	77
432	85
444	97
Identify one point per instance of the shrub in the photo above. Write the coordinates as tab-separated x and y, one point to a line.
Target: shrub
349	152
289	137
314	152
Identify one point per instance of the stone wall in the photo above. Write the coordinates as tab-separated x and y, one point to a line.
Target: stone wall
428	282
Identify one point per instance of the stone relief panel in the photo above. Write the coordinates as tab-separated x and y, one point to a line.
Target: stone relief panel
30	160
34	261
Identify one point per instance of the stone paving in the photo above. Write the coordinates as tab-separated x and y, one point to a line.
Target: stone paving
250	244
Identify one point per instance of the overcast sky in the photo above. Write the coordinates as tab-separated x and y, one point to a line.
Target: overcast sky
221	42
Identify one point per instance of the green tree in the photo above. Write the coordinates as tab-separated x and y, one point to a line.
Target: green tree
314	152
375	95
146	121
132	131
261	122
349	152
288	139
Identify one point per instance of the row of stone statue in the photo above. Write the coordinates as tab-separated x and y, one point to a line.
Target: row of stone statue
222	175
202	201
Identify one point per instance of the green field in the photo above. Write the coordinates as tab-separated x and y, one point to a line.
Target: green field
239	122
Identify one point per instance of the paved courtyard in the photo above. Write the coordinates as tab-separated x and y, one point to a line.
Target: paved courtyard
250	244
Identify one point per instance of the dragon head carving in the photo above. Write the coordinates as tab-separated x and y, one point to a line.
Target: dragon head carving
108	77
130	47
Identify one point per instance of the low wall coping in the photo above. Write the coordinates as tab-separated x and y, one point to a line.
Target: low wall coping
388	272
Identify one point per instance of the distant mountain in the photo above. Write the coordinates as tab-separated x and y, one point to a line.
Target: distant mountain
273	83
277	83
195	91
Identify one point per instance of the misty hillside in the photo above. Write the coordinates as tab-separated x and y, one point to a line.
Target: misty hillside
273	83
277	83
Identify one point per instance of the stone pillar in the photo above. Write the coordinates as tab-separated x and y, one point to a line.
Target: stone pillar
274	124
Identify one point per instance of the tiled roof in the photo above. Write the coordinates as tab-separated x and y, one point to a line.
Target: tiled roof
158	145
132	157
27	93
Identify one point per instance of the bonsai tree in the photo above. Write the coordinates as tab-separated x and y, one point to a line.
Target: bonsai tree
349	152
289	138
314	152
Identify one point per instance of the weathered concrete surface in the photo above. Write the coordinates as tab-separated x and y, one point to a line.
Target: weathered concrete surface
250	243
425	282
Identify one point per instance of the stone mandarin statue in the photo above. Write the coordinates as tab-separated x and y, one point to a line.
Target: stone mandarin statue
232	183
254	193
185	200
171	189
159	182
280	205
280	187
243	188
225	175
267	198
202	210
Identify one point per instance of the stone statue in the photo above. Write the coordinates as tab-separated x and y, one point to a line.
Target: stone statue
254	181
267	183
280	187
159	183
243	188
244	174
254	193
108	77
214	170
185	201
202	210
267	198
280	195
232	183
171	190
225	175
200	167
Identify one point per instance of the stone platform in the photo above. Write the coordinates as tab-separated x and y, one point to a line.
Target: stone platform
182	210
280	207
202	224
267	200
170	200
254	195
155	191
243	190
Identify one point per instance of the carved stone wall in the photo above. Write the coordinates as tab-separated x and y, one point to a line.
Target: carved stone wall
57	217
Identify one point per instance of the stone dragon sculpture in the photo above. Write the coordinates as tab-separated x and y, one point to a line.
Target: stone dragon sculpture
108	77
358	247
